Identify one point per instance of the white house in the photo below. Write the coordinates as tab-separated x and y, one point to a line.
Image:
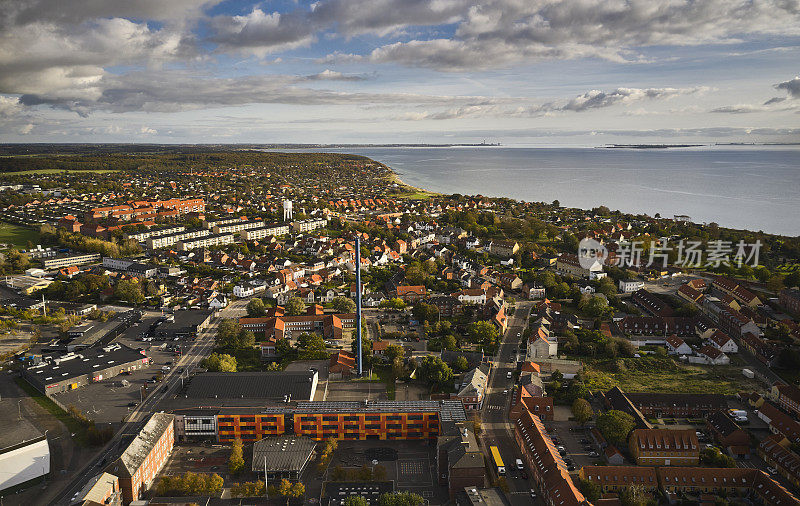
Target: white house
677	346
219	301
711	356
723	342
542	345
471	296
630	285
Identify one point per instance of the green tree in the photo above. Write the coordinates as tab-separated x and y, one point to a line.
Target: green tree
460	364
482	332
400	499
590	490
344	305
311	341
435	372
582	411
256	308
425	312
355	500
236	460
615	426
449	342
217	362
295	306
394	351
635	495
129	291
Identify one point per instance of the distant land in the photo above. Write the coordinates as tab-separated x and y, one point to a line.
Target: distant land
668	146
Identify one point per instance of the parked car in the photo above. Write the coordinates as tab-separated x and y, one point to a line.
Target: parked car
772	470
594	454
533	494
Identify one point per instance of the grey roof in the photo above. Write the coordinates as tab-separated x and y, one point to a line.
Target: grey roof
134	455
72	365
448	410
252	385
475	381
282	453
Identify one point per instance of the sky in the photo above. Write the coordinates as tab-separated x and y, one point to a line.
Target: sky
518	72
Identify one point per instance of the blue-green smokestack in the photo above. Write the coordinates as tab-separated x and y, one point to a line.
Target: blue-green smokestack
358	304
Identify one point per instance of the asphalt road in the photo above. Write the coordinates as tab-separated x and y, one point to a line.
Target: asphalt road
494	415
138	417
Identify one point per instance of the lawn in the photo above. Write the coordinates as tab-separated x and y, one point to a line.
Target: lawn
17	235
653	374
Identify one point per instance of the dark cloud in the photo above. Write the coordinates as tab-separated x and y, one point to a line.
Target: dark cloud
791	86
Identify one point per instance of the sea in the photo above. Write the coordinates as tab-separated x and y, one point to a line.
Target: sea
743	187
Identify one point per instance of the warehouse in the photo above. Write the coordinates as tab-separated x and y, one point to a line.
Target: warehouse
282	457
186	323
73	370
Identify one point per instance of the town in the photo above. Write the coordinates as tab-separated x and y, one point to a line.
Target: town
188	325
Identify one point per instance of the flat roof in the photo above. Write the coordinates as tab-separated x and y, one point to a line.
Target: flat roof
71	365
448	410
282	453
252	385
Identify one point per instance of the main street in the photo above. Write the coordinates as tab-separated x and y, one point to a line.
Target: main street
171	383
497	430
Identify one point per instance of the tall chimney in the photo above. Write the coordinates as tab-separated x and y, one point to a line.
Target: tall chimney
358	304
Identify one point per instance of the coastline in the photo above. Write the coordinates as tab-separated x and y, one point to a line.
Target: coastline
410	192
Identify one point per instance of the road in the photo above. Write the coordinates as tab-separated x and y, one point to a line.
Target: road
497	430
172	382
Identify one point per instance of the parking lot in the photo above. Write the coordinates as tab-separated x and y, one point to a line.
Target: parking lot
575	445
110	400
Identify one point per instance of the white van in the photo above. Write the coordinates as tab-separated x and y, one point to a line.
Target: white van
520	466
509	375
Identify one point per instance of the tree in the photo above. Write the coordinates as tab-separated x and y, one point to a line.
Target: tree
295	306
635	495
425	312
615	426
217	362
590	490
230	334
236	460
482	332
582	411
311	341
400	499
460	364
256	308
449	342
435	372
285	489
355	500
344	305
129	291
394	351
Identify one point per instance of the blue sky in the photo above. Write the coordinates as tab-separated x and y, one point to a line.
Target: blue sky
520	72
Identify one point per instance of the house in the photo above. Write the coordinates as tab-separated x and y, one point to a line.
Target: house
503	249
733	439
630	285
510	281
411	293
570	265
342	364
787	397
473	387
612	479
711	356
533	291
652	303
737	291
677	346
613	456
776	451
779	422
664	447
789	299
541	344
723	342
471	296
459	459
689	294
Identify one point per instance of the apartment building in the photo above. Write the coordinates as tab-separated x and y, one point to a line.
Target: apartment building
59	262
310	224
144	457
256	233
664	447
167	240
143	236
238	226
206	241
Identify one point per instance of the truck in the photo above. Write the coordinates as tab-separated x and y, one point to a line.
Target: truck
748	373
520	465
498	461
737	413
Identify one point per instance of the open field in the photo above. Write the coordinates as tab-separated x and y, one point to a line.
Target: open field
665	375
16	235
58	171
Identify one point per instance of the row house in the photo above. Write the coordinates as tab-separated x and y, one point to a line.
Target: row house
664	447
779	422
652	303
737	291
655	326
761	349
734	440
723	342
776	451
787	397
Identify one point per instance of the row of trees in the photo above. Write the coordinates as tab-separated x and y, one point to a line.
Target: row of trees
190	484
388	499
220	362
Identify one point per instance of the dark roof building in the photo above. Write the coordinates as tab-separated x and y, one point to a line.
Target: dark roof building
269	386
184	323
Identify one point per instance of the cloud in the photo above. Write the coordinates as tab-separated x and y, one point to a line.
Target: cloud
590	100
332	75
260	33
501	32
791	86
739	109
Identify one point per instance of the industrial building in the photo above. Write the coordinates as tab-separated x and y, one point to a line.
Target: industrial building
185	323
24	461
74	370
282	457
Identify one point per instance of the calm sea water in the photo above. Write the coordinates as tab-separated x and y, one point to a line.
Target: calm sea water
738	187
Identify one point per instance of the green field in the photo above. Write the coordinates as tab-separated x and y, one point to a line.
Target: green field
665	375
58	171
16	235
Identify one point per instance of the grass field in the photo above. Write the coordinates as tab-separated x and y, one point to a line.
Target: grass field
57	171
16	235
665	375
72	424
